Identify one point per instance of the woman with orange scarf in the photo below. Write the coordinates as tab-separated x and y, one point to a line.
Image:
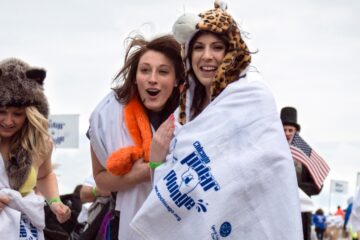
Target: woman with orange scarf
121	125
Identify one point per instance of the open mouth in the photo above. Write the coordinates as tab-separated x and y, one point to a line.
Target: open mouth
153	92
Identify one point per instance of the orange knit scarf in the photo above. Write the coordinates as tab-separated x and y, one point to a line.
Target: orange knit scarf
121	161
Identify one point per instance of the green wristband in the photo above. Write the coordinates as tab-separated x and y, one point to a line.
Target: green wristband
53	200
94	192
154	165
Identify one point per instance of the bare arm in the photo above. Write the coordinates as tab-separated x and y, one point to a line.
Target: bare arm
47	185
46	178
108	182
87	193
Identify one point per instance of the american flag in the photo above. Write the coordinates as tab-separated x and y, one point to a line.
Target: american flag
302	152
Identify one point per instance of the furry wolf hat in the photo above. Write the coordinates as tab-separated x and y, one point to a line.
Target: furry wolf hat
22	85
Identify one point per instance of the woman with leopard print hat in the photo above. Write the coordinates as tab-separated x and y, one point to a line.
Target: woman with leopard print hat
227	172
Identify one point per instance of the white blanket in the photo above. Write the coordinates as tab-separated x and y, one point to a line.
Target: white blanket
31	205
108	133
229	175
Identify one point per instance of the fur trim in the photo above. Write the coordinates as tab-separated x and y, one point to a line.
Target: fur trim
22	85
121	161
18	168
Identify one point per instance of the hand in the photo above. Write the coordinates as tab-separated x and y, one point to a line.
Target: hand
140	172
61	211
102	193
4	200
161	140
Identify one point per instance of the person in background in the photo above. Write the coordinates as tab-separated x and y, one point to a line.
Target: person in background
319	221
25	159
311	169
95	205
340	212
89	192
121	126
228	171
288	116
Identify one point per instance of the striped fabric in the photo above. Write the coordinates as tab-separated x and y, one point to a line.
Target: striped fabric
302	152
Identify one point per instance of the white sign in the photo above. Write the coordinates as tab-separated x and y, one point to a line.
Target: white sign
64	129
338	186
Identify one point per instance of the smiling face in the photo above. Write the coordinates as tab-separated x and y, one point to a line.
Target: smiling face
207	54
12	119
155	79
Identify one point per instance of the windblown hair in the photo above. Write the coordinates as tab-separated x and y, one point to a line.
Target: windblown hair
126	78
27	146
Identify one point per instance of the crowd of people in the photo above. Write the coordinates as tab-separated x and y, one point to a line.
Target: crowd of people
186	145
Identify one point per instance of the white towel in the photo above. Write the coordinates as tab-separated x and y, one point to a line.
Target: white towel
229	175
107	134
31	205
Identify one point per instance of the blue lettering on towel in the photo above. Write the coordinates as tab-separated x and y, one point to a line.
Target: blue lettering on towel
181	185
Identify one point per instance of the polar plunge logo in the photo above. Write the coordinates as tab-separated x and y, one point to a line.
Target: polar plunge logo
197	174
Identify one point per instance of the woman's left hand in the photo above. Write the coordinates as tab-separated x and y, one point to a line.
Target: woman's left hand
61	211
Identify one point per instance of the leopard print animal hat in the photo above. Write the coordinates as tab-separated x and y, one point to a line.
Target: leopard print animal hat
237	58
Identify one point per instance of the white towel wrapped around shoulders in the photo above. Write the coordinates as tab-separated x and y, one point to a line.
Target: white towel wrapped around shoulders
31	205
229	175
108	133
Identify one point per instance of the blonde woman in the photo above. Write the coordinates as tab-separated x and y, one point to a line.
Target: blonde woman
25	159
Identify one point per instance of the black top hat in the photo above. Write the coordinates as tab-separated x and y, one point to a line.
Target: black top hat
288	116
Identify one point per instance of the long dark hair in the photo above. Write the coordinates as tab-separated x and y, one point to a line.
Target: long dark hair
199	96
126	78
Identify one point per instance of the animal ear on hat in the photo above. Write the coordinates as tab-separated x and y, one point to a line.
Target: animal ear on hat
36	74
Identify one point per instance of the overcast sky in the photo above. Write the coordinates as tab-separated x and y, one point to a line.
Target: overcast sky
308	53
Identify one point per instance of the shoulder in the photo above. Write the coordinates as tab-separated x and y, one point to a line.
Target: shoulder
46	152
108	105
248	94
48	148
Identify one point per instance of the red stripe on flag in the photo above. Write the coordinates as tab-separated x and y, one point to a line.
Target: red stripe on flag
315	164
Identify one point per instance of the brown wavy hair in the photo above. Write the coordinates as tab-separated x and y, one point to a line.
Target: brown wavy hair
125	86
